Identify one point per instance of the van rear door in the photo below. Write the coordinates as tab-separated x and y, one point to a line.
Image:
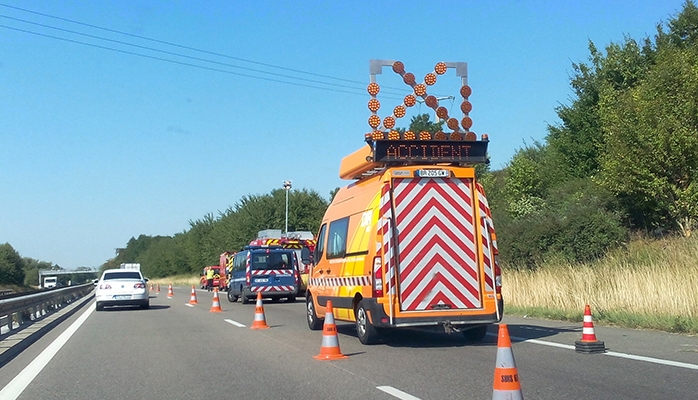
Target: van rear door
273	271
432	245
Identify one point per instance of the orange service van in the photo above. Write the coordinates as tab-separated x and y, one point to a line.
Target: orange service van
410	242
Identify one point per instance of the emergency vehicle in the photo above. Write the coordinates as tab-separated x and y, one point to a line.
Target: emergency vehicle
302	243
219	277
410	242
269	270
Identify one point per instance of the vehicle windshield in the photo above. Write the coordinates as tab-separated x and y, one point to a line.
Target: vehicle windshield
276	260
122	275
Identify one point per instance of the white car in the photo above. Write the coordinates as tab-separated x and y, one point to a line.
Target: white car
119	287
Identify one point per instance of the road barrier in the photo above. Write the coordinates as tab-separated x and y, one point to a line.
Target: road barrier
20	310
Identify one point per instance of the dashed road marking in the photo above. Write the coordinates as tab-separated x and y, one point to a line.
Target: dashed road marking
188	305
397	393
230	321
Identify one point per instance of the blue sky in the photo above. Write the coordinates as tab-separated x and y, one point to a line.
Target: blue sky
98	146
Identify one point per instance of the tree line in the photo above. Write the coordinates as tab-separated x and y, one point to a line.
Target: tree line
623	158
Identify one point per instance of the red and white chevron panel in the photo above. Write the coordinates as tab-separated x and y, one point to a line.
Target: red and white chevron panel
255	289
489	241
436	244
271	272
342	281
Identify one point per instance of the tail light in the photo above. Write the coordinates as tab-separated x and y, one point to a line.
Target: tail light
377	277
139	285
248	280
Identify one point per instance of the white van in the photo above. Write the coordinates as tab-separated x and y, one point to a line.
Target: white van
50	282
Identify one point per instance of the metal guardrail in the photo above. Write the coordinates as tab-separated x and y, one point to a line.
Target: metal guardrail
19	309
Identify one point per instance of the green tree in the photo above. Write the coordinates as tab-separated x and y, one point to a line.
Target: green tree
652	133
11	266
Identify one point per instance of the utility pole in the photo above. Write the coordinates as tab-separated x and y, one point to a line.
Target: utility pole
287	187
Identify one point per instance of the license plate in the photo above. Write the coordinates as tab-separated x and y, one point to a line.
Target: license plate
122	297
433	173
261	280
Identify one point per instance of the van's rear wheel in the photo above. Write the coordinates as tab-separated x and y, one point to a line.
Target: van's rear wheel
232	298
243	297
367	333
314	323
475	334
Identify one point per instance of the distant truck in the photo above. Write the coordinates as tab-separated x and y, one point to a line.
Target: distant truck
136	266
50	282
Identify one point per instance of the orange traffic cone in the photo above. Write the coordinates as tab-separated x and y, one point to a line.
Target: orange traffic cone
506	377
330	342
216	307
170	293
158	288
589	343
192	299
260	321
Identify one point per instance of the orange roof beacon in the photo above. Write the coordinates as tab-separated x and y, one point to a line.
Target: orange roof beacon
410	242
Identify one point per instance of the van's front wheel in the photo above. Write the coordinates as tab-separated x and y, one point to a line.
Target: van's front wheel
367	333
314	323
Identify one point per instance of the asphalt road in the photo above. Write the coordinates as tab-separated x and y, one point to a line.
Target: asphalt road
177	351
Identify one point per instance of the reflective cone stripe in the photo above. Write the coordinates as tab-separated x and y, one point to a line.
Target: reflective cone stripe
158	288
170	293
192	299
588	334
260	321
330	341
506	377
216	307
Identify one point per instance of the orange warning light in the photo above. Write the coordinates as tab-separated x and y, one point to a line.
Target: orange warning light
442	112
409	79
466	106
440	136
466	91
374	105
466	123
420	90
410	100
424	135
399	67
399	111
430	79
389	122
470	136
374	121
394	135
452	123
431	101
373	88
456	136
377	135
409	135
440	68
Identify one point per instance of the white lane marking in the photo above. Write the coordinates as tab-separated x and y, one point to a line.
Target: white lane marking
188	305
397	393
24	378
609	353
653	360
230	321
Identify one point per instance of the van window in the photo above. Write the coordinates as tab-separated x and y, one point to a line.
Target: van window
275	260
337	238
239	262
320	247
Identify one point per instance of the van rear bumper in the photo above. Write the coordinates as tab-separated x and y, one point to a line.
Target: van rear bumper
380	319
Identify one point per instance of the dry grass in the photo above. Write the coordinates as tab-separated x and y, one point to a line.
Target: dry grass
177	280
650	284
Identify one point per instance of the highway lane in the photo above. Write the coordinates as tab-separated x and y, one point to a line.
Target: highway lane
181	352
